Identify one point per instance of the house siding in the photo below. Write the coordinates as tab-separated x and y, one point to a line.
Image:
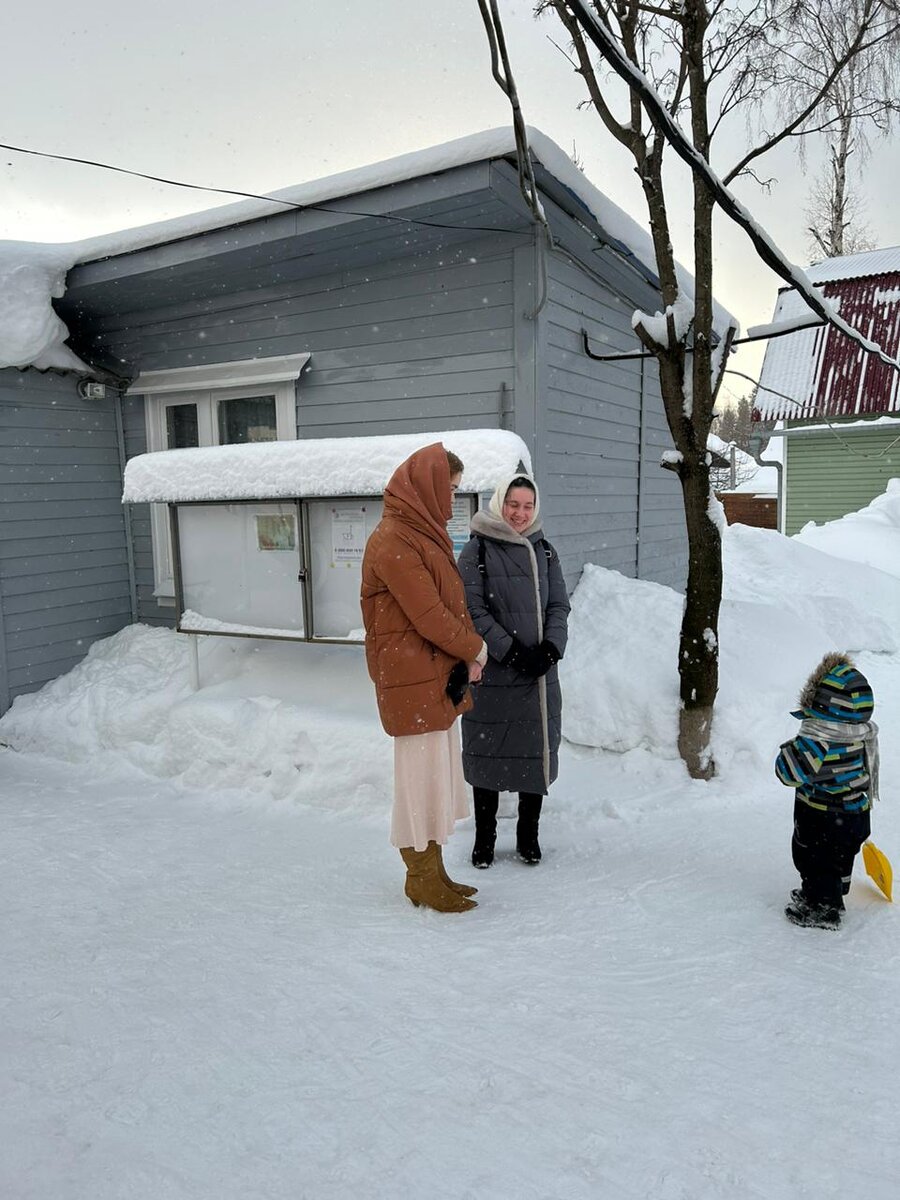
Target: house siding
828	475
415	344
64	580
605	499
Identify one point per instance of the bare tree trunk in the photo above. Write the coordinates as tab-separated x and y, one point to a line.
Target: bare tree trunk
839	156
698	656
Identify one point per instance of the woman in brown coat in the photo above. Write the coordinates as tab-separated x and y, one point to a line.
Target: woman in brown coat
417	630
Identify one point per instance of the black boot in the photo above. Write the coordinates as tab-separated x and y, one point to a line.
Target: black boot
812	914
527	845
486	803
798	895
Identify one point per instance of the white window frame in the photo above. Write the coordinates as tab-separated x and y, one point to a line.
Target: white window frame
206	386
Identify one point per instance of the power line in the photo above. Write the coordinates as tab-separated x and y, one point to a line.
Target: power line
835	429
288	204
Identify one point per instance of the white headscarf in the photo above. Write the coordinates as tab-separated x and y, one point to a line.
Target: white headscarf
495	505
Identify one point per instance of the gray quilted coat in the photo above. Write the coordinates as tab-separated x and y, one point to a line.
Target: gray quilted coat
511	737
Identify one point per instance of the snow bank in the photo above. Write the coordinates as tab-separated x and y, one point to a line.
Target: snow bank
855	607
784	606
619	683
276	719
297	722
358	466
864	536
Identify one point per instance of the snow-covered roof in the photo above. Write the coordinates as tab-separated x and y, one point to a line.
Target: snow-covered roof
819	371
751	477
781	432
358	466
30	274
855	266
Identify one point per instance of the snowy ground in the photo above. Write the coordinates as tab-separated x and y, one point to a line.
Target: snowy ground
214	989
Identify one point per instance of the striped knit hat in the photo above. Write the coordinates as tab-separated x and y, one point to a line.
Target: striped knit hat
837	691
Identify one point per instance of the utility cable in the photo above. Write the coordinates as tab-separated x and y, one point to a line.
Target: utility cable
823	417
288	204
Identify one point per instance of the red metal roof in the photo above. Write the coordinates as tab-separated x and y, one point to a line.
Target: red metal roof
821	372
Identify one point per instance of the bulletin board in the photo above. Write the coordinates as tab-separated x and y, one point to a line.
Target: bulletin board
288	569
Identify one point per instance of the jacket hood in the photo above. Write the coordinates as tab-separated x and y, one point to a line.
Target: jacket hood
419	492
495	504
836	691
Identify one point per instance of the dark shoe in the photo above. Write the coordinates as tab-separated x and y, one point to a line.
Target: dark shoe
799	896
483	854
529	852
527	845
813	916
486	803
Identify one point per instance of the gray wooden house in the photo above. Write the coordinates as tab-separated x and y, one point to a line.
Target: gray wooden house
413	296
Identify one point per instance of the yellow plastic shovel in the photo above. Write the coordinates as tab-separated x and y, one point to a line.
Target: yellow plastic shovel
878	868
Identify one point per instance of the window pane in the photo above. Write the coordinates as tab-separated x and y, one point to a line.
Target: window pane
250	419
181	426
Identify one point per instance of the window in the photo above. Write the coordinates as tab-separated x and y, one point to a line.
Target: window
220	404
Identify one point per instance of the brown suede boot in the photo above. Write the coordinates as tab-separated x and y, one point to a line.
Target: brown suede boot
464	889
424	885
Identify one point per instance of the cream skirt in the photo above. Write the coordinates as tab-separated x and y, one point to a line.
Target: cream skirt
430	793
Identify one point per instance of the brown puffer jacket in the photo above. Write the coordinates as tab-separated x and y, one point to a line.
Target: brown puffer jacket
413	601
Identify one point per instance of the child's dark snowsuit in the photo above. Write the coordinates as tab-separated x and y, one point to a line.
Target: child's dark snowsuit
830	764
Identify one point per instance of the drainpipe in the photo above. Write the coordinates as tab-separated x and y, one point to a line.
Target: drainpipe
126	515
640	474
4	676
754	449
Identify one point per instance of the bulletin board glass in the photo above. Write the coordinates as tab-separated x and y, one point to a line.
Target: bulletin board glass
338	532
241	566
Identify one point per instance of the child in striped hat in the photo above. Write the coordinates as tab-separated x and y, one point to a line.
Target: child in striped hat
833	766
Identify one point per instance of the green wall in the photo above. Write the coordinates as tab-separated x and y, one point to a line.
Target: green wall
831	473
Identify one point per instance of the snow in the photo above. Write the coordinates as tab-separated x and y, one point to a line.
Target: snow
791	363
31	334
840	426
774	329
862	537
716	513
657	326
32	273
358	466
855	266
191	620
764	482
750	477
213	986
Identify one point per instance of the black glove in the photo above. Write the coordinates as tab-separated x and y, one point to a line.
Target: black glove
551	652
533	661
458	683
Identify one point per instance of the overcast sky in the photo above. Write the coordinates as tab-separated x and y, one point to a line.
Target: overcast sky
257	97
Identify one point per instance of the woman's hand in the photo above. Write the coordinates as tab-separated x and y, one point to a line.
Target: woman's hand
533	661
475	670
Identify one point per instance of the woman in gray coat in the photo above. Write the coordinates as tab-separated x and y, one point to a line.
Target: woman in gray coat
518	603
